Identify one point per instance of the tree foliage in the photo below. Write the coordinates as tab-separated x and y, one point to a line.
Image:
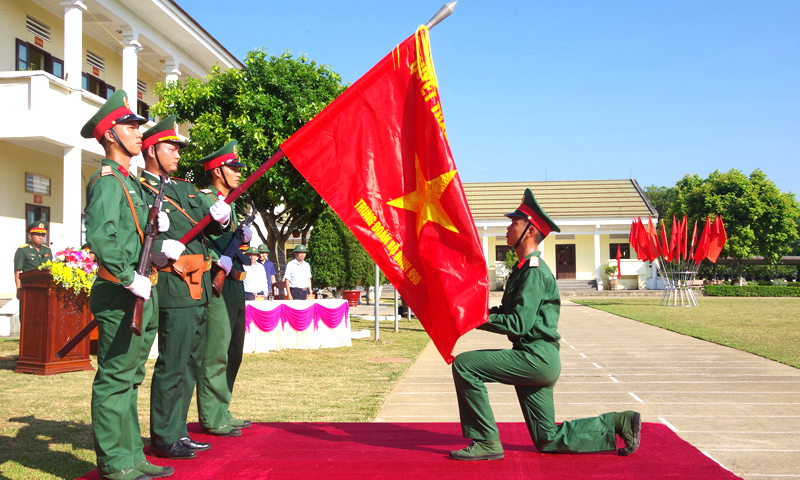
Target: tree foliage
338	261
661	198
260	105
759	219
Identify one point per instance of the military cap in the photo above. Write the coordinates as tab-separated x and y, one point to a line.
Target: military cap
252	251
163	131
224	156
531	210
39	226
243	247
115	110
263	248
300	249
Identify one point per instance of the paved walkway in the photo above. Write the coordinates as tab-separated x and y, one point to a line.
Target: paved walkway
740	409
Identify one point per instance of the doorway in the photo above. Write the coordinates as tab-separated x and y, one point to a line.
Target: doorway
565	261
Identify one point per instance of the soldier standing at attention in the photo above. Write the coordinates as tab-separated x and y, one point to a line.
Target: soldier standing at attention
31	255
116	214
528	315
184	288
225	337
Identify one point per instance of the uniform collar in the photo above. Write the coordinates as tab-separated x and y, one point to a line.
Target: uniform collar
116	166
157	177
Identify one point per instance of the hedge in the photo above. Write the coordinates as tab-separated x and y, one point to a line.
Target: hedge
750	291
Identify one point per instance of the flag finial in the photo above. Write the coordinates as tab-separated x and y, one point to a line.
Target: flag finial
443	13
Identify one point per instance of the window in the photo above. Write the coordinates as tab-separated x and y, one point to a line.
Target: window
37	184
34	213
500	252
143	109
624	249
31	57
92	84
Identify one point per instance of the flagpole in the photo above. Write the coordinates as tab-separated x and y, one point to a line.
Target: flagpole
443	13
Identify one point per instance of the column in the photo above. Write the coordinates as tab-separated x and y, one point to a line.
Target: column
171	70
485	243
130	65
73	41
71	215
597	257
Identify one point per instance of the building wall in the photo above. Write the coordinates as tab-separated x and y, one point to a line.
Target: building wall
12	26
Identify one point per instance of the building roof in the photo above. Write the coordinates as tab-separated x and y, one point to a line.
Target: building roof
565	199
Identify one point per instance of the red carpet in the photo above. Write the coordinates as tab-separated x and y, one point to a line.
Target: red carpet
419	450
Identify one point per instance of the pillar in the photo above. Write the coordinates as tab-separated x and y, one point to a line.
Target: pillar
71	215
73	42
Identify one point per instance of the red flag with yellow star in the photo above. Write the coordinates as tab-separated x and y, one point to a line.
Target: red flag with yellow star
379	156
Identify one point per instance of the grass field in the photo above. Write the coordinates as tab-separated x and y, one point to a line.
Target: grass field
769	327
45	424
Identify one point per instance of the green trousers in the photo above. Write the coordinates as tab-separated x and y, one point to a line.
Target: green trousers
223	354
121	358
533	376
181	333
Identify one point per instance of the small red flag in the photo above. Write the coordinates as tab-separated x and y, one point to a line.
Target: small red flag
694	237
633	241
652	238
665	250
684	236
717	239
379	156
702	243
619	262
674	240
644	242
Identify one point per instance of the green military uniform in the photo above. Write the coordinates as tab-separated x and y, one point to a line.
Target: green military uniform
182	307
528	315
27	257
115	211
226	321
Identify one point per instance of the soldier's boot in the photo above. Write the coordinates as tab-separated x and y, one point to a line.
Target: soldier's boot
236	422
480	450
127	474
223	431
154	471
628	425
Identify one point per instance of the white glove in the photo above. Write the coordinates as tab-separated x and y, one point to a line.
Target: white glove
140	286
221	212
163	222
172	249
247	234
225	263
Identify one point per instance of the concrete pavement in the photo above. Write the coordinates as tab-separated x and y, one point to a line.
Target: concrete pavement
740	409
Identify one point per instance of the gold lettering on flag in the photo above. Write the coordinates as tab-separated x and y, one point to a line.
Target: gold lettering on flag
391	246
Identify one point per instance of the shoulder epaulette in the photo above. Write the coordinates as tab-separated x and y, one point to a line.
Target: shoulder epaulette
534	262
207	190
105	170
23	246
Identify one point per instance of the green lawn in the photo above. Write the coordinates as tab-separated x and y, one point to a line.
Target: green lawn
45	425
769	327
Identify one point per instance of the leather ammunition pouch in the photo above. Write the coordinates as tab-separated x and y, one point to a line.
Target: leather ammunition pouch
191	269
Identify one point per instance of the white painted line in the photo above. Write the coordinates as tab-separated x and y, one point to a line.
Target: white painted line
572	347
635	397
752	450
671	426
564	340
584	356
596	365
712	458
612	378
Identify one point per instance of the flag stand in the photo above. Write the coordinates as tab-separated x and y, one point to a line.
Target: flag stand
677	288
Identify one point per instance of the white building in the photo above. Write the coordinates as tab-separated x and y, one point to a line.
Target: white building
59	61
594	217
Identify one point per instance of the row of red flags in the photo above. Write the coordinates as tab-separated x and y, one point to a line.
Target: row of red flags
650	243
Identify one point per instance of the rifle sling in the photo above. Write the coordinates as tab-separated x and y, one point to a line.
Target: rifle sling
130	204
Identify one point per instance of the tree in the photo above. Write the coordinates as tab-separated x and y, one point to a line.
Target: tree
260	105
338	260
759	219
661	198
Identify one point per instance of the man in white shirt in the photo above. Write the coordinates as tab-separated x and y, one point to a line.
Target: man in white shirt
255	280
298	275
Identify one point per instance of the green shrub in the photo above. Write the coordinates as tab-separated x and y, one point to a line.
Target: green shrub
750	291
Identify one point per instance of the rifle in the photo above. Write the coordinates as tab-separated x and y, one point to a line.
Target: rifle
146	258
145	263
232	251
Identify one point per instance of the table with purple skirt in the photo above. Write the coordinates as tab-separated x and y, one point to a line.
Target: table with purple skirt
304	324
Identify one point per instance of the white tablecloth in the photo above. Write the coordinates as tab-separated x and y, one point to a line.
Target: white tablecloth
285	337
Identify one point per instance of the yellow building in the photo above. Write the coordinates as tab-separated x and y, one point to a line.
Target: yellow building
59	62
594	216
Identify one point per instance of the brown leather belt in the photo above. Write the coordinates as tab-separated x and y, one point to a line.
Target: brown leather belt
237	275
103	273
191	269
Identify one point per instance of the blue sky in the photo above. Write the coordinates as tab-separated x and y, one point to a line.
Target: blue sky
571	90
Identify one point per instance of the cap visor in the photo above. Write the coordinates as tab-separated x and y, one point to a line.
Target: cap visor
515	213
132	118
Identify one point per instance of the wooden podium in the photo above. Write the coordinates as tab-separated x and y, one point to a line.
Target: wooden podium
49	316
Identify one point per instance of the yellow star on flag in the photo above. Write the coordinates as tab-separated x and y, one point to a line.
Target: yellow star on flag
424	201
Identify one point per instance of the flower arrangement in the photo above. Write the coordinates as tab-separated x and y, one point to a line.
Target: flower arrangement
74	269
